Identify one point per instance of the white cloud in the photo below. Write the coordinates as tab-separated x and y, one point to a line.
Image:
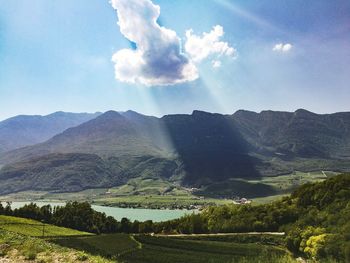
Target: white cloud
280	47
209	44
158	59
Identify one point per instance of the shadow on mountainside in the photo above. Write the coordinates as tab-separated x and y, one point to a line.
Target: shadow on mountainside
210	147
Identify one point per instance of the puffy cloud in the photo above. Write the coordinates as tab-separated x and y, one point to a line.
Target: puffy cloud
209	44
157	59
280	47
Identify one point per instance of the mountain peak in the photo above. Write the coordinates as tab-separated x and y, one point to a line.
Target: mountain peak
244	112
131	113
199	113
58	113
303	112
111	114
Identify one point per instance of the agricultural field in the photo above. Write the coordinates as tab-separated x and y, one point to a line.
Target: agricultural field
267	199
74	246
158	193
34	228
165	249
154	193
149	249
148	186
265	189
289	182
111	245
137	248
21	241
19	248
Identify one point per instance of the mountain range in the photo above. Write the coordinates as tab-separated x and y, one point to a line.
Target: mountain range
76	152
24	130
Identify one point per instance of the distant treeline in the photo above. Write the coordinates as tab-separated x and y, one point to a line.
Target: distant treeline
75	215
316	218
81	216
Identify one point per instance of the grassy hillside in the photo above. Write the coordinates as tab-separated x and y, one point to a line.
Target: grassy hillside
35	228
16	248
19	242
111	245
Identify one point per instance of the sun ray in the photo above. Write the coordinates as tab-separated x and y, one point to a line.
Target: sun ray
243	13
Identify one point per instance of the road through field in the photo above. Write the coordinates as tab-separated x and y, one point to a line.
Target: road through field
221	234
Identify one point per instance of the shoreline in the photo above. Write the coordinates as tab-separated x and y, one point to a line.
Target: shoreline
104	205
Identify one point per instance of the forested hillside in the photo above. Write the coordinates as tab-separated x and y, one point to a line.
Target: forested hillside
195	150
316	219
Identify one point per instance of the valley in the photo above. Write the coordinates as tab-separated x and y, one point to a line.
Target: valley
277	232
160	194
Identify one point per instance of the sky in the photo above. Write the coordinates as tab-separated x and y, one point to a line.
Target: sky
162	57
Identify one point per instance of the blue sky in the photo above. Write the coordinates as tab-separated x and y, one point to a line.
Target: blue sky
57	55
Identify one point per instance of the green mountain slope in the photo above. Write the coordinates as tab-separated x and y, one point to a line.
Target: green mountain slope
197	149
296	134
59	172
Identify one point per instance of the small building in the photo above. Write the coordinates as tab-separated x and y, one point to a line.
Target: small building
242	201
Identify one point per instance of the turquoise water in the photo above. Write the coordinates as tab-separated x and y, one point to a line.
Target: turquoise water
130	213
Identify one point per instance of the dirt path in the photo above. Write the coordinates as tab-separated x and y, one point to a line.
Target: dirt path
222	234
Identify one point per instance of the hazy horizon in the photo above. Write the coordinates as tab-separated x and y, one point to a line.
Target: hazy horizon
159	116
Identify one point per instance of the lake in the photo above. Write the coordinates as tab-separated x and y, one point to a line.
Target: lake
130	213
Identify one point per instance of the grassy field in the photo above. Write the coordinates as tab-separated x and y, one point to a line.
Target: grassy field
265	189
148	249
165	249
20	249
267	199
35	228
287	183
154	193
111	246
19	242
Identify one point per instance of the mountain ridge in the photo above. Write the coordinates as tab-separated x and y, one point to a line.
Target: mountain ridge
198	148
23	130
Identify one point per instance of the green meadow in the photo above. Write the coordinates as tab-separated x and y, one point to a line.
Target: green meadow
35	228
